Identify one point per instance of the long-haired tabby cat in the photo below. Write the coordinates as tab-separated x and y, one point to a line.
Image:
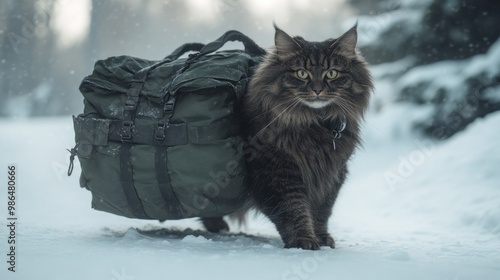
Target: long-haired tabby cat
304	107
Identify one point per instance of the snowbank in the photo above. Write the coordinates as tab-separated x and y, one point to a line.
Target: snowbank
410	210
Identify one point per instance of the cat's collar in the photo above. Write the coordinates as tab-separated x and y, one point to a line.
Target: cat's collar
336	128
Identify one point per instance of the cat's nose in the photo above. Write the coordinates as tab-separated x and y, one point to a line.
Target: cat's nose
317	88
318	91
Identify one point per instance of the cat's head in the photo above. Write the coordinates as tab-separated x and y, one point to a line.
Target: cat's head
326	78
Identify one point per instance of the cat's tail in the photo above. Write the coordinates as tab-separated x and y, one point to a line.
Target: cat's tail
240	216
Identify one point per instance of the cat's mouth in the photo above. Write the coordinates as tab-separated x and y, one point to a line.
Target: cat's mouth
316	102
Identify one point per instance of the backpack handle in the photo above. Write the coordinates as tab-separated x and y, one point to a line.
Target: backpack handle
251	47
188	47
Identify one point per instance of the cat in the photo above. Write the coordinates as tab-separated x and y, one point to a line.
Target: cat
303	110
304	107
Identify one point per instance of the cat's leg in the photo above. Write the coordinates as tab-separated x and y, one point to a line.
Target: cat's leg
215	224
322	214
323	209
294	222
282	196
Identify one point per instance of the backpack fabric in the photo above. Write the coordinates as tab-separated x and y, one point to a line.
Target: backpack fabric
162	139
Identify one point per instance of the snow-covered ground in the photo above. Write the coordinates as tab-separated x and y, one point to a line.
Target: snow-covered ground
411	209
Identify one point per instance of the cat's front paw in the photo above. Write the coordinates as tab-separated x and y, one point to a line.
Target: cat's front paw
215	225
306	243
326	240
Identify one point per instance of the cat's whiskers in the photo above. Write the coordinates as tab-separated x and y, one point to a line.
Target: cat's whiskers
263	113
345	109
348	107
279	115
344	106
354	105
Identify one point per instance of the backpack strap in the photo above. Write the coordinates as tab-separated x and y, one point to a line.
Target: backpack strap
100	132
126	137
251	47
129	112
189	47
127	126
127	180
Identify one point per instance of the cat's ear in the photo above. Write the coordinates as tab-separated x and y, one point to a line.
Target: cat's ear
285	44
347	42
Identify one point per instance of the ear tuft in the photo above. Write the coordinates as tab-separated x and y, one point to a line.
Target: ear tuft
284	43
347	42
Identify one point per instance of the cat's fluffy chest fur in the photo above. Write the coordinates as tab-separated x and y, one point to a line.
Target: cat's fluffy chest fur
317	153
296	99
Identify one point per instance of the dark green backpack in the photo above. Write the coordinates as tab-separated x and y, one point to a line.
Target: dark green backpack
162	139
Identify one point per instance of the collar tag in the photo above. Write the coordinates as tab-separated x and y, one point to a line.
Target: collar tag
337	132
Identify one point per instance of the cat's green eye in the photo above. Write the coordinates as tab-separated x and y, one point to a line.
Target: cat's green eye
302	74
332	74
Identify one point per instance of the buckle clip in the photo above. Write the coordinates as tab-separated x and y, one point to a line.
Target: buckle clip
168	108
193	56
126	133
160	132
130	105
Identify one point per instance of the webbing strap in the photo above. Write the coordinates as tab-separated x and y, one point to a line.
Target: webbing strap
102	131
173	205
165	134
173	134
131	103
127	180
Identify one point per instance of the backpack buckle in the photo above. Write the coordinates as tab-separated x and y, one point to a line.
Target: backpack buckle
160	132
193	56
168	108
130	105
126	132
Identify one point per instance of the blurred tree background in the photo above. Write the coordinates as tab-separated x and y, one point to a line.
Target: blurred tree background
443	56
48	46
440	56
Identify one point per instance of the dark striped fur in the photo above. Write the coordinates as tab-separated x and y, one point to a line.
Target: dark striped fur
294	172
